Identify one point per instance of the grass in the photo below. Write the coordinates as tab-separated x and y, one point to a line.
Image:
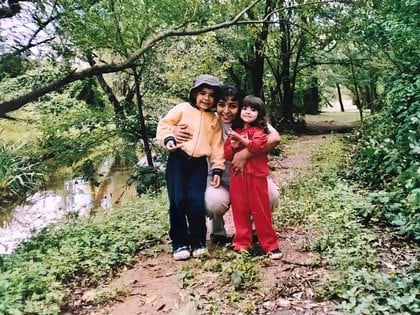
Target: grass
18	175
338	117
19	130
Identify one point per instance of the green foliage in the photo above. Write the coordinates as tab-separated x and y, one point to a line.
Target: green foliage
325	202
130	128
121	27
388	154
366	292
11	66
18	174
71	130
186	276
239	269
38	74
33	279
148	179
87	90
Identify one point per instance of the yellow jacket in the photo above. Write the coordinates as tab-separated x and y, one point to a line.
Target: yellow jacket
207	140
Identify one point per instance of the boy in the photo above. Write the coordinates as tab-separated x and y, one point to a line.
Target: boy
186	169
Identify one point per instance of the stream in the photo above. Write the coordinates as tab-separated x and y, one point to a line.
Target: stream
63	197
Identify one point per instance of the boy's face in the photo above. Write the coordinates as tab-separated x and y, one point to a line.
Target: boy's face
227	110
204	98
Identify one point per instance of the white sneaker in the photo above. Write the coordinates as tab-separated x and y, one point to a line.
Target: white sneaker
276	254
181	253
199	251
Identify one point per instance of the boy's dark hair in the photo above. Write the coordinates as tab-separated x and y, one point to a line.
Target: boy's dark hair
255	103
233	92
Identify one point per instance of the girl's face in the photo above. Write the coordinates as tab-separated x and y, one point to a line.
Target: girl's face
248	114
204	98
227	110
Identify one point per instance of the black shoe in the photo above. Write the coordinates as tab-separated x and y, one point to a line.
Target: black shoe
220	240
254	237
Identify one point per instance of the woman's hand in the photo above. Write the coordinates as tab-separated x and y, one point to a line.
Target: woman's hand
239	160
182	134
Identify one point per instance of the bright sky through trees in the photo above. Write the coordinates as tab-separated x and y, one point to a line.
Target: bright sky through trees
22	30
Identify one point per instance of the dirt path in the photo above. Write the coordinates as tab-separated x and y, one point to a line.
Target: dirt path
159	285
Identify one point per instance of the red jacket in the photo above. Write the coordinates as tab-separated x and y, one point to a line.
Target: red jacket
257	165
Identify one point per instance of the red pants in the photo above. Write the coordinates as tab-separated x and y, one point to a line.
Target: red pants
249	198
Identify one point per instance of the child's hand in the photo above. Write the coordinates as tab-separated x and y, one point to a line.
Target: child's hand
233	135
238	141
234	143
216	181
170	146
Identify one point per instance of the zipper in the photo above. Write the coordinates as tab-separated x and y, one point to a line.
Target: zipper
199	133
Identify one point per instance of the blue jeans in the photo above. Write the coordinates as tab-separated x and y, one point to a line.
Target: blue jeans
186	182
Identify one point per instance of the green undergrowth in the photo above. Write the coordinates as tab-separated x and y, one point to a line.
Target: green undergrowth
36	278
324	202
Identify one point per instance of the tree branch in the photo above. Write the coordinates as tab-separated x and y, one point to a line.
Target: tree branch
74	75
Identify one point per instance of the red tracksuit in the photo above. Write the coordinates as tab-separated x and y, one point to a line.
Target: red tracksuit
249	195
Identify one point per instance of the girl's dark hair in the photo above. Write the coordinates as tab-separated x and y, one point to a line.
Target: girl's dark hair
255	103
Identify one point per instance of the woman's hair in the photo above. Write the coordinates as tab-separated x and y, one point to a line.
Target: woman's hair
257	104
233	92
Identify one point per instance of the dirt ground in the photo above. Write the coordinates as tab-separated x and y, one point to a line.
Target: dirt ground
153	284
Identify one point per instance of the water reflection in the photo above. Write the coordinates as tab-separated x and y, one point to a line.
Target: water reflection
64	197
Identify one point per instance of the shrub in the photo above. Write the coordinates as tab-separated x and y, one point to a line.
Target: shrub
388	153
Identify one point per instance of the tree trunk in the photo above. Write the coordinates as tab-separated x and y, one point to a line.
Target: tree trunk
287	104
143	129
311	97
340	99
256	69
119	114
357	94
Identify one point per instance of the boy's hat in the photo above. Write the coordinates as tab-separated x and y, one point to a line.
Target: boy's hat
205	79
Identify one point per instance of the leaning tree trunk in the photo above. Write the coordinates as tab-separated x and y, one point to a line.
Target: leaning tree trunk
143	130
340	98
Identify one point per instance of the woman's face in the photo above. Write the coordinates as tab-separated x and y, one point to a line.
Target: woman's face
227	110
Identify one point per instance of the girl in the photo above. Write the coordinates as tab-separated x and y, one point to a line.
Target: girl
248	189
186	168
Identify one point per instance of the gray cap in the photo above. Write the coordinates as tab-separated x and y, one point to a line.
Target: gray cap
209	80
